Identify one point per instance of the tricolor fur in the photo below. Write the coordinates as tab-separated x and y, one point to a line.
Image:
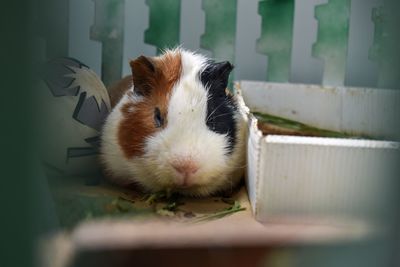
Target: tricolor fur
175	126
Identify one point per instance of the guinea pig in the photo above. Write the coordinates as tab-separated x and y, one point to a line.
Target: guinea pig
175	126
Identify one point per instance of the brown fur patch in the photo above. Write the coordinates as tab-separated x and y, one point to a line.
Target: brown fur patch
155	83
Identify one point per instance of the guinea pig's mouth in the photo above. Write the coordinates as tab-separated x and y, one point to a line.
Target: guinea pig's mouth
186	189
185	186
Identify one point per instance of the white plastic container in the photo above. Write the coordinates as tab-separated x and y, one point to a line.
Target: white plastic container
311	177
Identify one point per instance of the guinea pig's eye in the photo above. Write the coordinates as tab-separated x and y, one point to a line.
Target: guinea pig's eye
158	120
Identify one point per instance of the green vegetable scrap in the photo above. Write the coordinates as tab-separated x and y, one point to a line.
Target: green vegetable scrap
236	207
153	198
170	208
124	205
229	201
120	205
164	212
165	203
270	124
171	201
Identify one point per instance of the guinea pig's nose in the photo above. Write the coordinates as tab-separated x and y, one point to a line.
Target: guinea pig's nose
185	167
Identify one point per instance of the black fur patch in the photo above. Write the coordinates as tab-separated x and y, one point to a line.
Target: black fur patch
221	108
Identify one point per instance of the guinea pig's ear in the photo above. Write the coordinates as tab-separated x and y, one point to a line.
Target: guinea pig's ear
143	74
223	69
216	75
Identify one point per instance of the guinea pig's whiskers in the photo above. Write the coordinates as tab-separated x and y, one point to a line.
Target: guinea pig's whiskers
215	110
219	122
237	167
220	115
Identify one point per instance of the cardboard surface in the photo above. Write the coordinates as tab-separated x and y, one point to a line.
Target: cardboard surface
154	231
238	230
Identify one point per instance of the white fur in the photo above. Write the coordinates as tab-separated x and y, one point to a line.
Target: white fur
186	136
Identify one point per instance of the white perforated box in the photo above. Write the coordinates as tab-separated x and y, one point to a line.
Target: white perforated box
312	177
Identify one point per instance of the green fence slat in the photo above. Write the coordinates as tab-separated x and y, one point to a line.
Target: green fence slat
276	37
332	39
385	47
164	24
220	29
376	48
108	29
